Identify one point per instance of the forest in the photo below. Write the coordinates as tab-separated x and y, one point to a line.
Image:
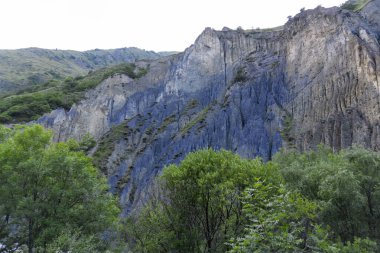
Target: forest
53	199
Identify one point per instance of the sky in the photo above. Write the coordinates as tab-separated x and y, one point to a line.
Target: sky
159	25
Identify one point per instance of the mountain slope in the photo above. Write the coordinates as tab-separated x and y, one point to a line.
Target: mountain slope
24	67
34	101
252	92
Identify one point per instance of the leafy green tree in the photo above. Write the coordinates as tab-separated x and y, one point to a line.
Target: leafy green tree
86	143
346	185
285	221
155	229
200	206
47	189
280	221
73	241
358	246
365	165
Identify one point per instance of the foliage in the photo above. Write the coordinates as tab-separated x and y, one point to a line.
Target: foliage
286	132
346	186
154	229
199	208
54	189
281	221
40	99
355	5
199	118
86	143
24	68
358	246
218	202
107	143
72	241
166	122
211	197
240	76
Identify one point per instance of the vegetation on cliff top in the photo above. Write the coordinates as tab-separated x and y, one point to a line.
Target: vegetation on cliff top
39	99
23	68
355	5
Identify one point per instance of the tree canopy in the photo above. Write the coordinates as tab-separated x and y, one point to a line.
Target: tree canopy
48	191
317	201
199	207
346	186
52	199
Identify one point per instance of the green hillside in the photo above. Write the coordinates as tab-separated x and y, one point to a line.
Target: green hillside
36	100
22	68
355	5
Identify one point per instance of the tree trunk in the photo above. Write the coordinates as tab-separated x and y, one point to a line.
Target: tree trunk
30	236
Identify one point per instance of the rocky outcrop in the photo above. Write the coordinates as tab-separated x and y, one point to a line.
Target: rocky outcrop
334	98
371	12
252	92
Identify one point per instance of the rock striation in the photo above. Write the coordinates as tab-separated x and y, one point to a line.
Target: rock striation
315	80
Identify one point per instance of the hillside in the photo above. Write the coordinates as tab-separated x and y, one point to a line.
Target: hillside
32	102
315	80
22	68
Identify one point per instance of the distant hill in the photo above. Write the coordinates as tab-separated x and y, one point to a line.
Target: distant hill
22	68
355	5
32	102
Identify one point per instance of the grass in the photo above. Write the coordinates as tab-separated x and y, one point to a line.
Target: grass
107	144
356	5
23	68
167	121
193	103
269	29
39	99
201	117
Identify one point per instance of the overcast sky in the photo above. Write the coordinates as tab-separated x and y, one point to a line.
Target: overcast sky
160	25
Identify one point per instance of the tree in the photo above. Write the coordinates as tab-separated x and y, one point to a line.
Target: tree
346	185
283	221
280	221
200	206
86	143
48	189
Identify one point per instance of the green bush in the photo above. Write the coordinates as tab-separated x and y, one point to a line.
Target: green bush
51	195
346	185
206	188
240	76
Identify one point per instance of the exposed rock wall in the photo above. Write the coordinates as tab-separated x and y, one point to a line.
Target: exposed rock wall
334	73
252	92
371	13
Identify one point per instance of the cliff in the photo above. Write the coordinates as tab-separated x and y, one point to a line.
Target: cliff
314	81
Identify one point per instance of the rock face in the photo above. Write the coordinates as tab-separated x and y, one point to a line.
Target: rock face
252	92
371	12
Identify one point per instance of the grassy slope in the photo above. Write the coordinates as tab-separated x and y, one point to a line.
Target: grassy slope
24	67
39	99
355	5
